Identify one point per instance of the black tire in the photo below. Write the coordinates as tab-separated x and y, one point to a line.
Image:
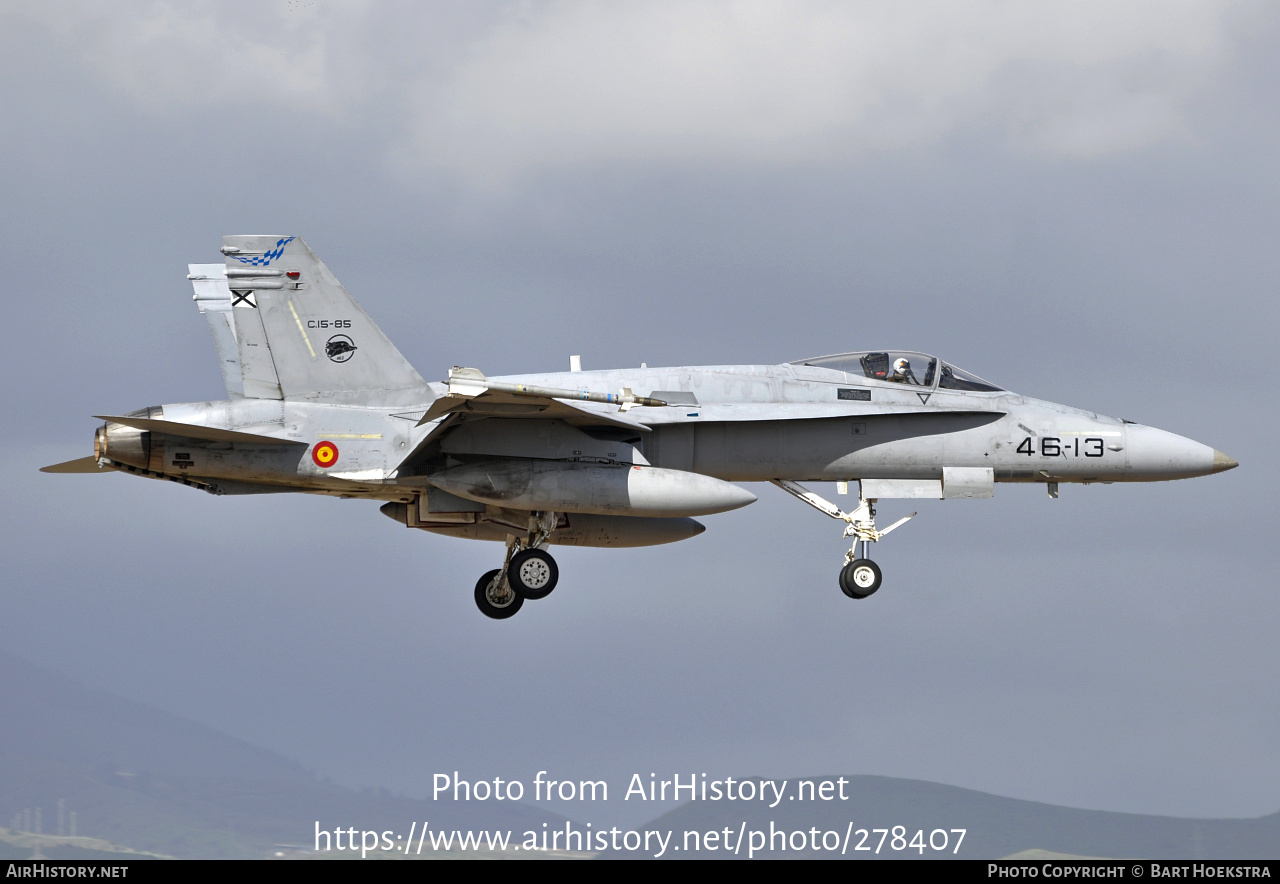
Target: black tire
533	573
486	588
860	578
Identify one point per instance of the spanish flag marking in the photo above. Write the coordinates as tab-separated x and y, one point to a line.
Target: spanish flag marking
325	454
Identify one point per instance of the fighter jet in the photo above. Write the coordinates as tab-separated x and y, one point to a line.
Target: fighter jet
320	401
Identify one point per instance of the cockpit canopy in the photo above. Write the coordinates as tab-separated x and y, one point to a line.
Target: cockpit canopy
903	367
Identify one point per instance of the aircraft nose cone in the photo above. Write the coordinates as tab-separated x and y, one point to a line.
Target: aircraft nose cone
1221	462
1155	455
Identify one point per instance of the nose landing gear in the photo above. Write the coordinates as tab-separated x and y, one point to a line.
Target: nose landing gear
860	577
528	571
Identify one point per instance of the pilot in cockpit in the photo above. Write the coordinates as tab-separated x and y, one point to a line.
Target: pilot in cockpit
902	373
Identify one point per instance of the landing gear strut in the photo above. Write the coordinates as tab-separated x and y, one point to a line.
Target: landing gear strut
860	577
528	572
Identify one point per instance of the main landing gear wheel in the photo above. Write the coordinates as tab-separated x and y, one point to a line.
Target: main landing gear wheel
860	578
495	598
533	573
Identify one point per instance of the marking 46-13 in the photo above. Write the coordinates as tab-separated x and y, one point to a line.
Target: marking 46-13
1052	446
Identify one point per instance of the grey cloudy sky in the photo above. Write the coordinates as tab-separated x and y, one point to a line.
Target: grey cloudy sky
1077	201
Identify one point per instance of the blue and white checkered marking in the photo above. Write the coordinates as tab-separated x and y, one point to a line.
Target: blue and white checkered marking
268	257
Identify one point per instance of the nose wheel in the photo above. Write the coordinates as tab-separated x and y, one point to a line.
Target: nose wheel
528	572
860	577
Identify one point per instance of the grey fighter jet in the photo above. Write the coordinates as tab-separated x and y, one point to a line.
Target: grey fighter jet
320	401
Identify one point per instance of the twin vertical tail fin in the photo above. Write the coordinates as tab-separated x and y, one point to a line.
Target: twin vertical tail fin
213	299
296	330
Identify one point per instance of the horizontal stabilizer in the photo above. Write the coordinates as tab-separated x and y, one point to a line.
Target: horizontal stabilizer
195	431
80	465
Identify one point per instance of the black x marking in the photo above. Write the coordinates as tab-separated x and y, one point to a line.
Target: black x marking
245	297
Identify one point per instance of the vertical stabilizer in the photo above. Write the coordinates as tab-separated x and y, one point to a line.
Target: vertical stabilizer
317	340
213	299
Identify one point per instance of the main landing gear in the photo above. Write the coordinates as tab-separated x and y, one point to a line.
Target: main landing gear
528	571
860	577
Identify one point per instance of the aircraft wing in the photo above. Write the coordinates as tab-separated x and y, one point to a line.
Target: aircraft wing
470	392
493	403
797	411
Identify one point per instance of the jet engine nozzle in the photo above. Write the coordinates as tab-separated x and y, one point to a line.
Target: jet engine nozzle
129	445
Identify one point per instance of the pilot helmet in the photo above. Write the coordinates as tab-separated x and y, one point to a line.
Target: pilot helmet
901	366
